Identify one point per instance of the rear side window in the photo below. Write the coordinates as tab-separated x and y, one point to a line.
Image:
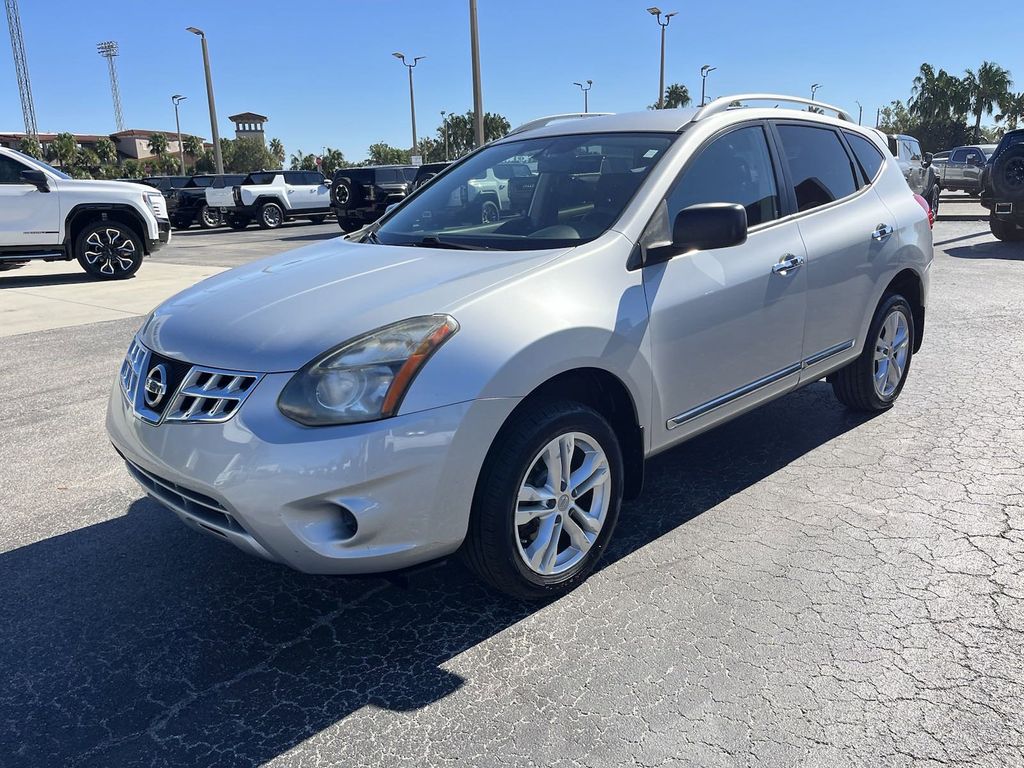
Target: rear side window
259	178
734	168
867	154
820	168
914	148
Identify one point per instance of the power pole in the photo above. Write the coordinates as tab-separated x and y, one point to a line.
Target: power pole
109	50
28	109
478	92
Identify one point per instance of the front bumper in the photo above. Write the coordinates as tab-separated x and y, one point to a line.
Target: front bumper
277	490
163	228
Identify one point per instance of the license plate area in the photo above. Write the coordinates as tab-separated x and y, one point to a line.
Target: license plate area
1004	208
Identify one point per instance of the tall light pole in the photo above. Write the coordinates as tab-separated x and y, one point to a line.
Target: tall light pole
444	130
217	157
656	12
860	112
478	93
814	90
109	51
177	99
586	91
412	98
706	70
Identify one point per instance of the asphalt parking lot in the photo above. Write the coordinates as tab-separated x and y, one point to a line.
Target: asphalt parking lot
800	587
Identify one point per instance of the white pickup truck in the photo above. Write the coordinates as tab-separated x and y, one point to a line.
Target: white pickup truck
109	226
272	197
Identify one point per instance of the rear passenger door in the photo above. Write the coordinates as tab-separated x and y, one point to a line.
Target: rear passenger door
848	231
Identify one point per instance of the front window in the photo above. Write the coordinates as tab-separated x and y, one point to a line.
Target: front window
40	164
551	192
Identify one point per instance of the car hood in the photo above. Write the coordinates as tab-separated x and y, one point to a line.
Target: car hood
277	314
118	188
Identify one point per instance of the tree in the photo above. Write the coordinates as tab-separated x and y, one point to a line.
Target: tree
227	152
676	95
193	145
63	149
277	150
333	159
132	169
986	88
30	146
301	161
1012	111
382	153
88	159
106	152
938	96
250	154
158	144
461	135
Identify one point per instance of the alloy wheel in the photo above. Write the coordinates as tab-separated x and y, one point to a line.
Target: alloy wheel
891	350
489	213
210	217
562	504
109	251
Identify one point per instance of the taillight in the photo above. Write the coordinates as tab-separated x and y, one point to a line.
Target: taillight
927	209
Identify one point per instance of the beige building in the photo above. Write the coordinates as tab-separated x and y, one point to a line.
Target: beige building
131	144
249	125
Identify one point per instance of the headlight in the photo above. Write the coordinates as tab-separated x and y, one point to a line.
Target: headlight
155	201
365	378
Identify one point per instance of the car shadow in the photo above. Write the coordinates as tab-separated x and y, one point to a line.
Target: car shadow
39	281
136	641
993	249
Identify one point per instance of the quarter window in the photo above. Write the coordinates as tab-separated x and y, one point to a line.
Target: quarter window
735	168
867	154
819	165
10	171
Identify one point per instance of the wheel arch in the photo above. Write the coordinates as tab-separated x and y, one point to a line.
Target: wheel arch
908	284
84	214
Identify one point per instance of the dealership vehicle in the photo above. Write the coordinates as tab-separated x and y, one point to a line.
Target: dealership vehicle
962	170
109	226
425	173
430	386
271	198
360	196
1003	188
188	205
165	184
917	168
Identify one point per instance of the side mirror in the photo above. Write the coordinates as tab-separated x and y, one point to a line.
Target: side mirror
703	227
327	182
37	179
928	157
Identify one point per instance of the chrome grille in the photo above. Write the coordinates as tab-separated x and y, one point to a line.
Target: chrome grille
195	393
209	395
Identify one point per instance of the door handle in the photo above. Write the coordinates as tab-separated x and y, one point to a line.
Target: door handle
786	264
882	232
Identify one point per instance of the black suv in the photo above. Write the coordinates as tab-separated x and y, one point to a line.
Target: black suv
1002	188
359	196
425	173
187	205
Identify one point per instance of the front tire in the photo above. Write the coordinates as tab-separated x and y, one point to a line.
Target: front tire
875	379
109	250
933	200
270	216
209	218
546	502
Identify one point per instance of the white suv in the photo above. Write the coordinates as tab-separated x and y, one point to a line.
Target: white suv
273	197
433	385
107	225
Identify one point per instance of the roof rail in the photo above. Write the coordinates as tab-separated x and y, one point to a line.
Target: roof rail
727	102
540	122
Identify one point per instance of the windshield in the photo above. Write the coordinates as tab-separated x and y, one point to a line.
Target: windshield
41	164
551	192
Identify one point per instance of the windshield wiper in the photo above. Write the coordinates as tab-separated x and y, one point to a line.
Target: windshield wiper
435	242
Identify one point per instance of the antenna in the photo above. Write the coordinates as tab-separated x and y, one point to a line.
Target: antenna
109	50
28	109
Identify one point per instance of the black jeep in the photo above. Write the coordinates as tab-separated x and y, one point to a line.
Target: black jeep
1002	188
359	196
187	205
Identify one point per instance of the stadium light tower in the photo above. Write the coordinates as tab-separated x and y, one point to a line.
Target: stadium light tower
109	50
28	109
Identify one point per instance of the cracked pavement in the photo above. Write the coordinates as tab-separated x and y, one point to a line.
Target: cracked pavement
803	586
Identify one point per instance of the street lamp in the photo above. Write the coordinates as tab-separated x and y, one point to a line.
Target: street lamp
217	157
444	129
814	90
706	70
176	99
586	89
412	98
860	112
656	12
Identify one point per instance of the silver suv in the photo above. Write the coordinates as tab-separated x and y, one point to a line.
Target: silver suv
440	384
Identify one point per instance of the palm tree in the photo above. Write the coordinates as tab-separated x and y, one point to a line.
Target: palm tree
158	144
64	149
938	96
193	145
106	152
297	160
676	95
333	159
987	88
1012	111
30	146
277	150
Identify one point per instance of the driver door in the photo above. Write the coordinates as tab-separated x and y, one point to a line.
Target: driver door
28	217
726	326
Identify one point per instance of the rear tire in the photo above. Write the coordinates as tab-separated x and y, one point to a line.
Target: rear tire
1006	231
875	379
209	218
270	216
109	250
516	519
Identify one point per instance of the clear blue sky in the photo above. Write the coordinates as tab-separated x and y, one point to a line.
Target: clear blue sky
324	74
